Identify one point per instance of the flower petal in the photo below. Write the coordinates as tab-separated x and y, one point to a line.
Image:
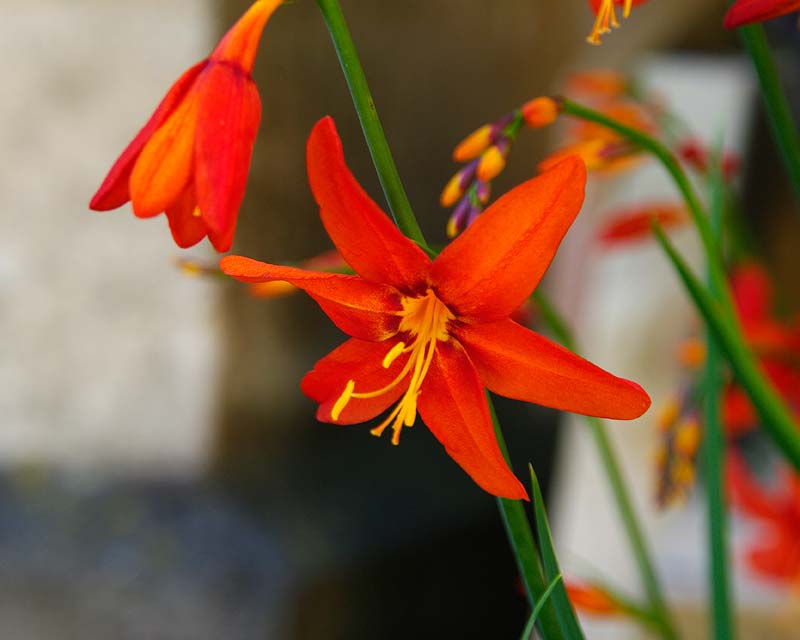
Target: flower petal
114	192
752	294
187	228
490	269
227	123
164	167
362	309
745	12
240	44
363	234
517	363
452	404
746	494
359	361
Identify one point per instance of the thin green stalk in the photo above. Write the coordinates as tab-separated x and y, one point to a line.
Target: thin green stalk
520	537
779	114
773	413
673	167
633	529
713	451
373	131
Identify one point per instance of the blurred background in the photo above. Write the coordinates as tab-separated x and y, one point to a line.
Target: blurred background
162	476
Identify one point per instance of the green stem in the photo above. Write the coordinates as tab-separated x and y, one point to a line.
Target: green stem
526	553
714	448
784	131
633	529
673	167
373	131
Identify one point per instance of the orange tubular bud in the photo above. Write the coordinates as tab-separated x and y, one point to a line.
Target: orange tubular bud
474	144
492	164
452	192
591	599
540	112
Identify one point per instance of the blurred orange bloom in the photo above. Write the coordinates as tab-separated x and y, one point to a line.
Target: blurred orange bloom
428	336
744	12
606	17
598	83
591	599
192	158
630	225
601	149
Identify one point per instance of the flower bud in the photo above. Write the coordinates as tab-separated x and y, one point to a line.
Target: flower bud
540	112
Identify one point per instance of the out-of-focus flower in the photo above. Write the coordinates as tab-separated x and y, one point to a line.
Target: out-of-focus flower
680	435
604	84
192	158
634	224
428	336
606	16
744	12
775	342
775	553
591	599
695	154
602	149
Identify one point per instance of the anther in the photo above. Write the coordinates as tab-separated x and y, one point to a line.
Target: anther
390	357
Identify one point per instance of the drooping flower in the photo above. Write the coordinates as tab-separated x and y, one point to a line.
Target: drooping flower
775	553
630	225
743	12
592	599
606	16
429	336
192	158
601	149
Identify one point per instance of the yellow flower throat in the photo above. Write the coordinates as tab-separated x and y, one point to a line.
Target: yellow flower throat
424	320
606	19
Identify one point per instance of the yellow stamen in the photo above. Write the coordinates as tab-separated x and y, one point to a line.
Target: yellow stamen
196	213
605	20
626	12
424	319
341	403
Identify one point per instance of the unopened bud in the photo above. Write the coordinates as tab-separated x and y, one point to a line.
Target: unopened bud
540	112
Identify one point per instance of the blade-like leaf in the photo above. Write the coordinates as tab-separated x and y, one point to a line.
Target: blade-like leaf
559	599
528	632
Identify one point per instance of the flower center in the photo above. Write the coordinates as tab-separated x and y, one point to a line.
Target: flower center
606	19
424	320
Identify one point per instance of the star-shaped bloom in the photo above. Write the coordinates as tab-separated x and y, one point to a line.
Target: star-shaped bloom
192	158
744	12
429	336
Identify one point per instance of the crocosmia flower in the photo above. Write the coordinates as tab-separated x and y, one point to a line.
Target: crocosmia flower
775	553
744	12
192	158
428	336
606	19
591	599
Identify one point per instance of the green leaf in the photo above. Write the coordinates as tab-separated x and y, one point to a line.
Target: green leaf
528	632
565	614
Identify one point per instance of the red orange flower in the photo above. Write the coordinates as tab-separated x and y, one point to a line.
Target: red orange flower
428	336
192	158
635	224
776	553
607	17
776	344
744	12
591	599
